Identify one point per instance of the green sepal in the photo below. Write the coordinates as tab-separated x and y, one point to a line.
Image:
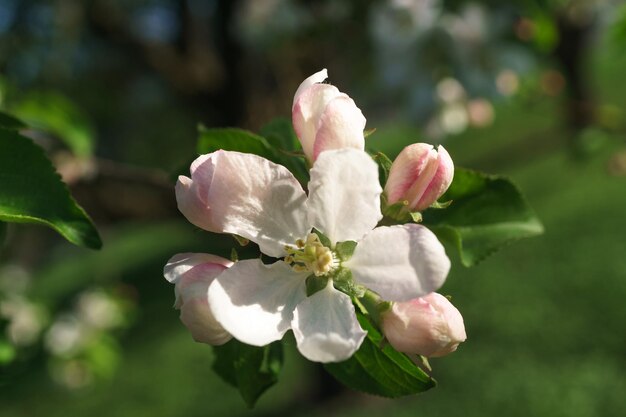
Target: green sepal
399	212
368	132
241	240
384	166
378	369
234	256
315	284
343	281
345	250
250	369
440	204
416	216
323	238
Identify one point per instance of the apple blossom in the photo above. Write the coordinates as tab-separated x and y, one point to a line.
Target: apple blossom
192	273
325	118
419	175
258	303
429	326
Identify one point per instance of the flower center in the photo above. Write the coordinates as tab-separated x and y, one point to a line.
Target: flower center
311	255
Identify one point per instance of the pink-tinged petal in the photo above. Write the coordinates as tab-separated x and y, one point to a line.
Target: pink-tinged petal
326	327
192	194
178	265
307	111
411	172
439	183
255	302
344	194
420	175
316	78
249	196
341	126
429	326
400	262
192	273
197	317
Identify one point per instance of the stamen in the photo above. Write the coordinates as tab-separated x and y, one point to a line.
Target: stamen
312	256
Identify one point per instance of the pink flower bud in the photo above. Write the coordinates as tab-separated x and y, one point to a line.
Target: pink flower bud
325	118
419	175
429	326
192	273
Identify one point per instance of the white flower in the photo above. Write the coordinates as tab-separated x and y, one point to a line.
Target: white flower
252	197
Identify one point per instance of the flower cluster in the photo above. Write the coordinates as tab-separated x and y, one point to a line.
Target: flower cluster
328	246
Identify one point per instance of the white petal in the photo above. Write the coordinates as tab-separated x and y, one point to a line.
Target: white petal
181	263
400	262
326	328
255	302
257	199
344	194
318	77
192	273
186	268
341	126
307	111
191	194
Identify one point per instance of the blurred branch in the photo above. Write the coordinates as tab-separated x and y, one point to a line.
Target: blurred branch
190	66
572	54
112	191
203	65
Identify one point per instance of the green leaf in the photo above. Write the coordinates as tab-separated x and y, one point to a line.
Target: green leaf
54	113
31	191
280	134
232	139
315	284
379	369
9	122
345	249
487	213
251	369
323	238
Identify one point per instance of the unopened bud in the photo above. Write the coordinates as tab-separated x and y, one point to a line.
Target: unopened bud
325	118
420	175
192	273
428	326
